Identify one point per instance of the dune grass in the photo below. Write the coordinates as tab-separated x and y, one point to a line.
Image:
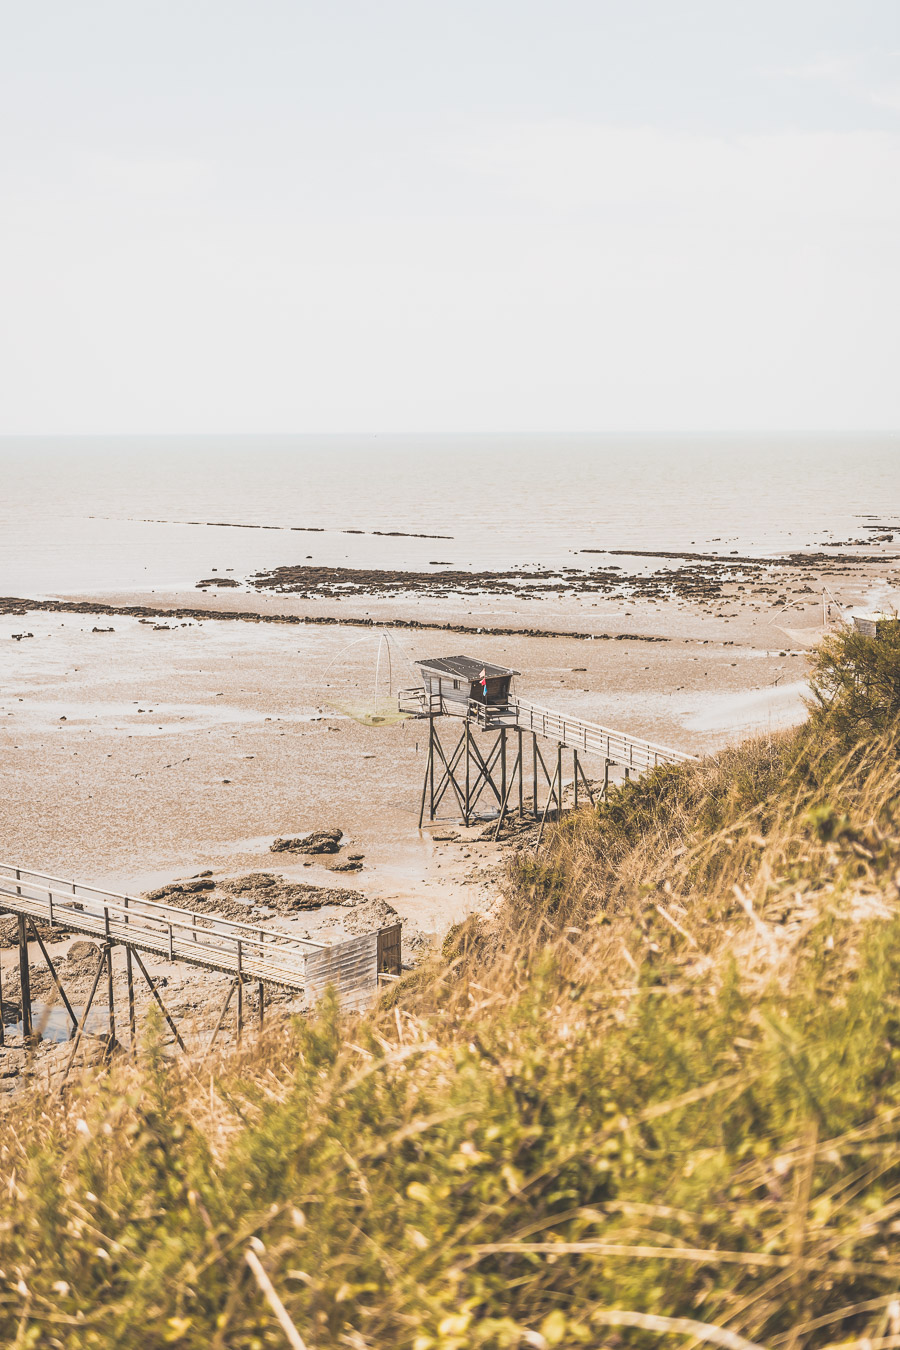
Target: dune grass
658	1097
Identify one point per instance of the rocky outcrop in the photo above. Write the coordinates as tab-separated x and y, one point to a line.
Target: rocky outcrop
317	841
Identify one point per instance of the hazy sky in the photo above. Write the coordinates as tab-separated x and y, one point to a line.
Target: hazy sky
401	215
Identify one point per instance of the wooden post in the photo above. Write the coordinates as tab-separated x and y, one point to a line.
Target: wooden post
240	992
521	765
534	778
559	777
468	753
24	980
262	1003
605	779
575	776
110	999
428	784
424	785
431	767
129	976
503	764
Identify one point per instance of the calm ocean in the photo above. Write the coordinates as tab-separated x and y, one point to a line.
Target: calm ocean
81	515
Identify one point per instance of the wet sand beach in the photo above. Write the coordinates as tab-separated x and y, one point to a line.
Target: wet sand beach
209	688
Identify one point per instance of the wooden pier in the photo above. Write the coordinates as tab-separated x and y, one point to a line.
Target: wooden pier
246	952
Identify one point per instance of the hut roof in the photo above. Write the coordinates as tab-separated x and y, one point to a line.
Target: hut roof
465	668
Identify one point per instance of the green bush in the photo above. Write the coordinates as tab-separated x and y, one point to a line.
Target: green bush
855	682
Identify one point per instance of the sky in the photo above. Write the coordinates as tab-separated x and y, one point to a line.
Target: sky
280	216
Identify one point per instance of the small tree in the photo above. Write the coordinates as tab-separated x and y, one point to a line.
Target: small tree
855	683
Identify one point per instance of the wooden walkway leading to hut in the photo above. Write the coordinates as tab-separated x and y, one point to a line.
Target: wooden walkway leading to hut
162	930
574	733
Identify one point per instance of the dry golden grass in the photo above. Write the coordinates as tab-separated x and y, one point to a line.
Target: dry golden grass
658	1097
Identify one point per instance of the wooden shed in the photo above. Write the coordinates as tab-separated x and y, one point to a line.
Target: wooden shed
869	624
452	681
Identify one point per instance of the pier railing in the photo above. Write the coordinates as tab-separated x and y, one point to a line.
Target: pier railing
240	949
577	734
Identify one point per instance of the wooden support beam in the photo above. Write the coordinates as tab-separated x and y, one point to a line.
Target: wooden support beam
218	1027
544	816
485	776
155	992
262	1003
449	778
104	957
587	786
56	979
521	774
25	980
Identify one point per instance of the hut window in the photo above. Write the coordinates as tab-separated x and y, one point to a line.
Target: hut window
456	684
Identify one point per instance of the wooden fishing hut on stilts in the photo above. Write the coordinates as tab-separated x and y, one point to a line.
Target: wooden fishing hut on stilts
480	695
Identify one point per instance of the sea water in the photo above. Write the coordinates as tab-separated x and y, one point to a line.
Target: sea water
86	515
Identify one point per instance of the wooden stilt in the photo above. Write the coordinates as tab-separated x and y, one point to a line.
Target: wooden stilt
25	980
534	777
240	993
521	764
429	775
503	764
606	764
575	776
559	781
262	1003
110	1000
129	977
430	768
56	980
468	736
155	992
84	1015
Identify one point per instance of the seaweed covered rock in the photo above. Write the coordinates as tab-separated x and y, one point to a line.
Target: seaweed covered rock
317	841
